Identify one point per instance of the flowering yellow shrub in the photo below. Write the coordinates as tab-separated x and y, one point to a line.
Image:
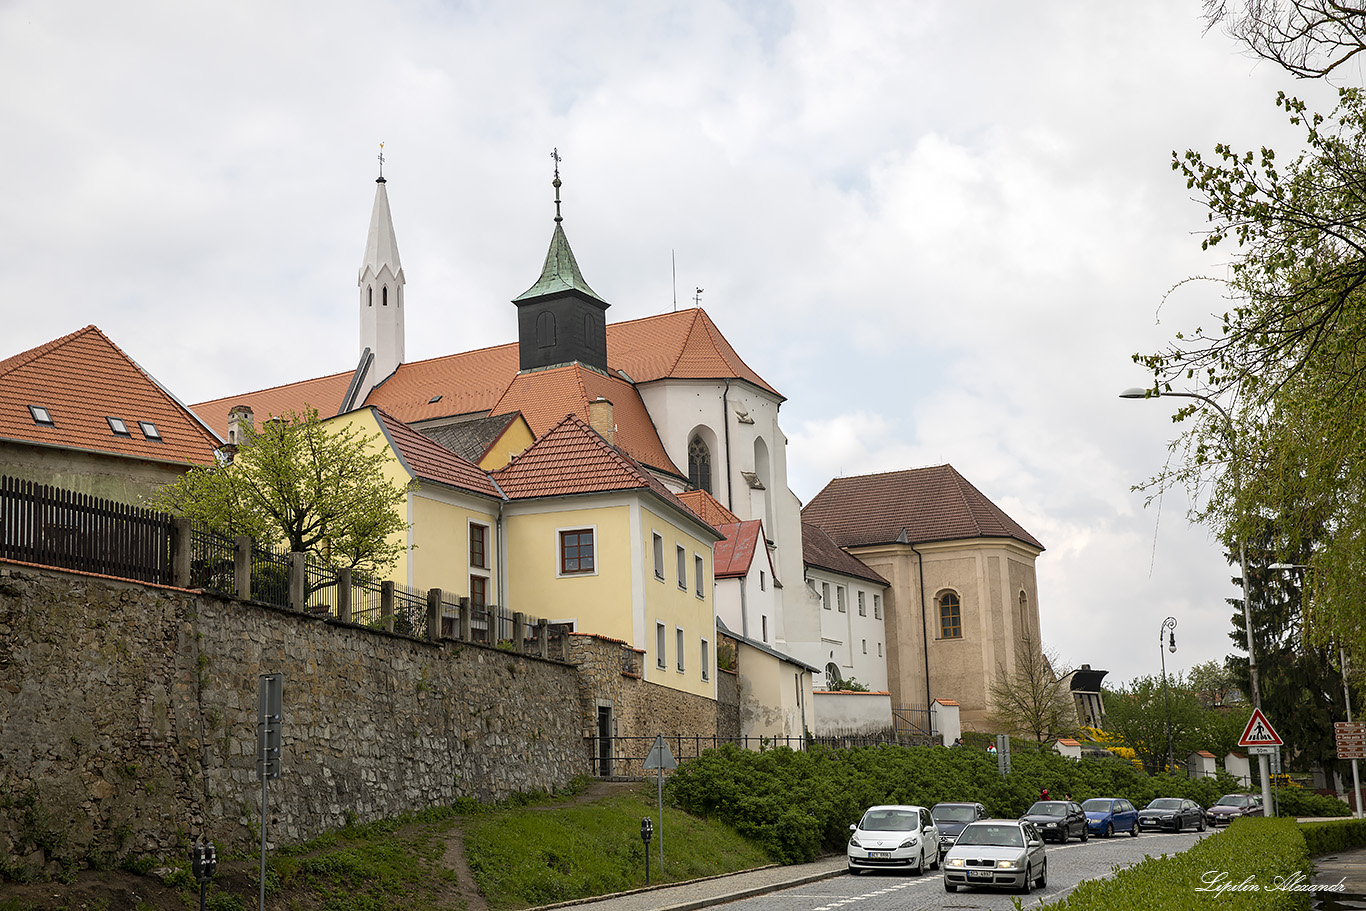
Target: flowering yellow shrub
1112	743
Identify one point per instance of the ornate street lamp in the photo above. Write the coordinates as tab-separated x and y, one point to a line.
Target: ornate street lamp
1168	633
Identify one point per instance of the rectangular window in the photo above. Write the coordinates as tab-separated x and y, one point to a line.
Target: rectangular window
659	557
839	597
825	595
865	646
678	646
698	571
950	618
681	558
661	640
41	415
149	430
763	581
879	649
479	591
118	426
576	551
479	546
764	623
877	607
706	660
862	608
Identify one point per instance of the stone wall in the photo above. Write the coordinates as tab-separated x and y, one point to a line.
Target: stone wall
127	720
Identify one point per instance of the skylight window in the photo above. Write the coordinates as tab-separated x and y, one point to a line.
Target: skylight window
433	400
41	416
118	426
149	430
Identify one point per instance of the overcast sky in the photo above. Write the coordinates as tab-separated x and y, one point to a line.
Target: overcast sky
940	229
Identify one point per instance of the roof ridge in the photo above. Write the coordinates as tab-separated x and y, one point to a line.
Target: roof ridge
16	361
692	325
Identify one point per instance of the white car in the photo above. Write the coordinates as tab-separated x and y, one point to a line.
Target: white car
999	853
894	837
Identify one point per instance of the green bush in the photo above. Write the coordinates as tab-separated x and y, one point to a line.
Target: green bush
1301	802
1331	837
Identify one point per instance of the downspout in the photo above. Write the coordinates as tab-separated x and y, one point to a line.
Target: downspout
725	423
501	546
924	624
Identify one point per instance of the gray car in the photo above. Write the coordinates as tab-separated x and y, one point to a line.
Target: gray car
998	853
951	817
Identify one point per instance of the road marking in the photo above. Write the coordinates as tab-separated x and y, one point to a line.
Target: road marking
858	898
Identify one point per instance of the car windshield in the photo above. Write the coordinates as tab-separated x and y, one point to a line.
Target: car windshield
1005	836
1096	805
1048	808
1235	800
1165	803
889	819
954	814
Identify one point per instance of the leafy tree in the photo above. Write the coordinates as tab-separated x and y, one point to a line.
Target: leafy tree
318	487
1035	700
1309	38
1213	682
1288	358
1138	715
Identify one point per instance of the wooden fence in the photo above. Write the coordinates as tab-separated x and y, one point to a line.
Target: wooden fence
54	527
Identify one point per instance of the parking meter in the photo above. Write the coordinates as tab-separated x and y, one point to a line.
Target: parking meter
203	863
647	828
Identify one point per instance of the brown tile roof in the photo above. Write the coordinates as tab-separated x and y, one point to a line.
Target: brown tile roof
820	551
81	379
545	396
733	556
427	460
471	439
684	345
571	458
708	507
917	505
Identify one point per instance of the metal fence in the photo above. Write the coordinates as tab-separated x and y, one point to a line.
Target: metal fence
55	527
623	757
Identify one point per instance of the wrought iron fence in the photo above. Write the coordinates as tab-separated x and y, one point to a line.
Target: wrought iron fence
410	611
270	574
212	562
912	721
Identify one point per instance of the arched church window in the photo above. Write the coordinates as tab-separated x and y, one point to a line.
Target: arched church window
545	330
1024	614
699	465
370	296
832	676
950	616
384	296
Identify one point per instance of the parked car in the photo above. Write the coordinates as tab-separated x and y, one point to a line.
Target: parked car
1058	819
1231	806
1108	815
894	837
950	818
998	853
1173	813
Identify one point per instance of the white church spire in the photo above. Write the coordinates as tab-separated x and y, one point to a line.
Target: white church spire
381	294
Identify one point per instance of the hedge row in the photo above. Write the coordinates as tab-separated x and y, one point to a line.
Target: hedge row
1260	864
1331	837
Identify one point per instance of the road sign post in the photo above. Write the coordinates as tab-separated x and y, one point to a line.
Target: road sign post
659	758
1351	744
270	723
1260	733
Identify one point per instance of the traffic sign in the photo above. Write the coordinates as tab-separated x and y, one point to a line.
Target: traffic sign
659	756
1351	739
1259	732
1262	751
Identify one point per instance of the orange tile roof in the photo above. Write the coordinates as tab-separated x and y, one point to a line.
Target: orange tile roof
428	460
708	507
571	458
681	345
915	506
733	556
820	551
545	396
81	379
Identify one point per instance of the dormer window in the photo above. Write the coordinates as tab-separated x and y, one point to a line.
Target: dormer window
149	430
118	426
41	416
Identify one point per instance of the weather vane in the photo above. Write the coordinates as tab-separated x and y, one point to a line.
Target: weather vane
697	298
381	161
555	155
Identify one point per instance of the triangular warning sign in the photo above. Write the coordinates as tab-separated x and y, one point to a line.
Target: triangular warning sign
1259	732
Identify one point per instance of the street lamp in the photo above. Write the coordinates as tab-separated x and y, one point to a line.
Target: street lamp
1168	630
1230	433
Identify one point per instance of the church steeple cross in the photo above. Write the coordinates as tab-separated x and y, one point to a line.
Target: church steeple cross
555	154
381	163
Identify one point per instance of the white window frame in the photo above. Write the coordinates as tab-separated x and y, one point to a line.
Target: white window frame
841	600
877	607
700	571
657	546
825	595
862	605
678	647
706	659
661	645
681	558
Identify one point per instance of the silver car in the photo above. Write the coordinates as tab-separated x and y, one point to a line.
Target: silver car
893	837
1000	853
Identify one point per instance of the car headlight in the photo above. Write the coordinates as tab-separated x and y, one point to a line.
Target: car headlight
909	843
1006	864
1051	825
955	861
854	842
1168	815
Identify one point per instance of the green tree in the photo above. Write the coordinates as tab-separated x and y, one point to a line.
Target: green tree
315	486
1033	700
1140	713
1213	682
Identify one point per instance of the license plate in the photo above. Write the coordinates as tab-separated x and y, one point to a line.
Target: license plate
879	853
979	874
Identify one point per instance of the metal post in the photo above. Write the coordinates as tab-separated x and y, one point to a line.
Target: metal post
1347	694
1168	624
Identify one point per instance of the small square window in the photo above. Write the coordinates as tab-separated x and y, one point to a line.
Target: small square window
576	551
118	426
41	415
149	430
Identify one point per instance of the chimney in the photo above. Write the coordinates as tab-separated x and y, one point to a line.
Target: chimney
600	419
239	424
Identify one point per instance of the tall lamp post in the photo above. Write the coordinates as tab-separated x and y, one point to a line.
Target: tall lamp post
1230	433
1168	630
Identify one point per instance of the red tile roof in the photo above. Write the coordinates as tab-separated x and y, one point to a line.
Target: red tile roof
323	394
427	460
83	378
708	507
820	551
734	555
682	345
571	458
915	506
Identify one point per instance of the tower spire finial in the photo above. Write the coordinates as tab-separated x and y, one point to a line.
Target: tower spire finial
381	163
555	154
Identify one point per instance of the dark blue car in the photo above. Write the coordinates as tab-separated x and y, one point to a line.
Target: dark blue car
1108	815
